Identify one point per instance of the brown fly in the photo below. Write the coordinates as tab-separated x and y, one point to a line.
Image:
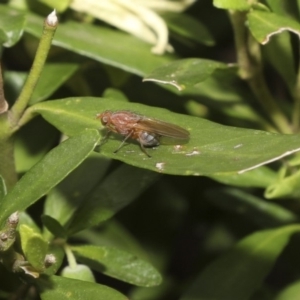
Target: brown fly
147	131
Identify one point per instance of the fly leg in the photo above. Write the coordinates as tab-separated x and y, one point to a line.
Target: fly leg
144	149
105	138
126	138
148	139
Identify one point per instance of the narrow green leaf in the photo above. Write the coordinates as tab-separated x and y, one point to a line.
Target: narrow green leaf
212	148
221	86
158	292
258	211
232	4
32	142
102	44
114	234
260	177
34	247
81	272
281	7
118	264
265	24
54	227
114	94
223	91
53	76
3	190
60	5
56	165
185	73
60	288
288	187
239	273
65	198
14	81
189	27
119	189
12	22
280	46
25	218
291	292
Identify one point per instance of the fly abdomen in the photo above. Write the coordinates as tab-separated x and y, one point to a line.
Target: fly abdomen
148	139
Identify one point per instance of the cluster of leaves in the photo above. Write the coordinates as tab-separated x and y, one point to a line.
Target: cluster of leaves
71	188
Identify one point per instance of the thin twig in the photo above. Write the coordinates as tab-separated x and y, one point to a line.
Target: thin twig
250	70
3	102
37	67
296	109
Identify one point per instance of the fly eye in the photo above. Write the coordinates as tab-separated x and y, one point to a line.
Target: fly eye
104	120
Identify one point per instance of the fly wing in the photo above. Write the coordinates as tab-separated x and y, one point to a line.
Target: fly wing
162	128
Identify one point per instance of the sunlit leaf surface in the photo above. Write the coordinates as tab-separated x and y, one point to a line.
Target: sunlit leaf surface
212	148
48	172
12	23
265	24
102	44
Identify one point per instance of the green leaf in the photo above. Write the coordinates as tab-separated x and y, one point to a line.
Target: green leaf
114	234
56	165
232	4
54	227
223	91
221	86
81	272
288	187
290	292
59	254
3	190
53	76
65	198
12	22
281	7
32	142
14	81
265	24
114	94
34	246
280	46
60	5
241	271
158	292
189	27
256	210
118	189
102	44
118	264
212	148
260	177
25	218
61	288
185	73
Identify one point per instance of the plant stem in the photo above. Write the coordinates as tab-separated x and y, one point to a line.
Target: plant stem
3	103
250	70
36	69
296	109
9	119
70	256
7	161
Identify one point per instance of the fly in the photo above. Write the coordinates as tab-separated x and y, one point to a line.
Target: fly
147	131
